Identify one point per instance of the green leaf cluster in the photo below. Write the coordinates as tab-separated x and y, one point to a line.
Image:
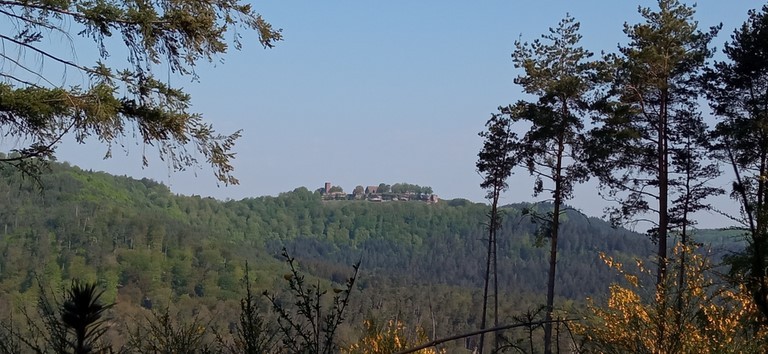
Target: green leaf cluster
112	103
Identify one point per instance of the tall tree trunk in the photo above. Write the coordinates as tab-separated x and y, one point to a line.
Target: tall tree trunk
495	228
759	239
663	178
490	261
684	239
555	226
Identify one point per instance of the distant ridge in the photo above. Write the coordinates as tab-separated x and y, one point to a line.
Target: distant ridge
140	241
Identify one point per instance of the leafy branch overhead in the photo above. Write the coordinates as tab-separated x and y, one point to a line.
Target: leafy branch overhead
109	103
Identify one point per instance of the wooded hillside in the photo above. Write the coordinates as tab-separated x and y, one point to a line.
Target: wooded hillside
145	245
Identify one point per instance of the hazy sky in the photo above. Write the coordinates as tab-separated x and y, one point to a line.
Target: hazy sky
363	92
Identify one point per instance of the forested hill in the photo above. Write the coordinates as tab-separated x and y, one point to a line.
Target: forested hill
141	241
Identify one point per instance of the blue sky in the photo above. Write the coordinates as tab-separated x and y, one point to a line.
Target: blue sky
367	92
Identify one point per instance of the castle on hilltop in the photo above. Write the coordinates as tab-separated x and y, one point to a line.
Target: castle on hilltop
381	193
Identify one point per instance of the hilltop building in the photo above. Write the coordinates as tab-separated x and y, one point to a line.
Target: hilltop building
372	194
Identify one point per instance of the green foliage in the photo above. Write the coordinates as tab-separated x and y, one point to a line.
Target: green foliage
179	34
558	72
495	163
103	223
738	95
203	236
642	148
336	189
497	158
405	188
384	188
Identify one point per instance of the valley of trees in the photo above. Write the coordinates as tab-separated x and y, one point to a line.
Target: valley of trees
92	262
149	247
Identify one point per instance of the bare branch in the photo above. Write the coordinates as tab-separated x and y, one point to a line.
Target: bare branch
50	56
494	329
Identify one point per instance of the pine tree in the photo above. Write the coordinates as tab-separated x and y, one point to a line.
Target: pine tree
649	126
653	92
40	106
738	94
495	163
560	74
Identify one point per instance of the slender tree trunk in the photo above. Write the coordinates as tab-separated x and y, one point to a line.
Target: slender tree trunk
80	343
555	226
530	338
551	284
663	178
434	322
491	257
755	217
681	278
497	334
684	241
759	238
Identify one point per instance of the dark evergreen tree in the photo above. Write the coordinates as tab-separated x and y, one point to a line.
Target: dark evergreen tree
559	73
495	164
653	91
83	314
643	148
694	172
74	325
738	94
